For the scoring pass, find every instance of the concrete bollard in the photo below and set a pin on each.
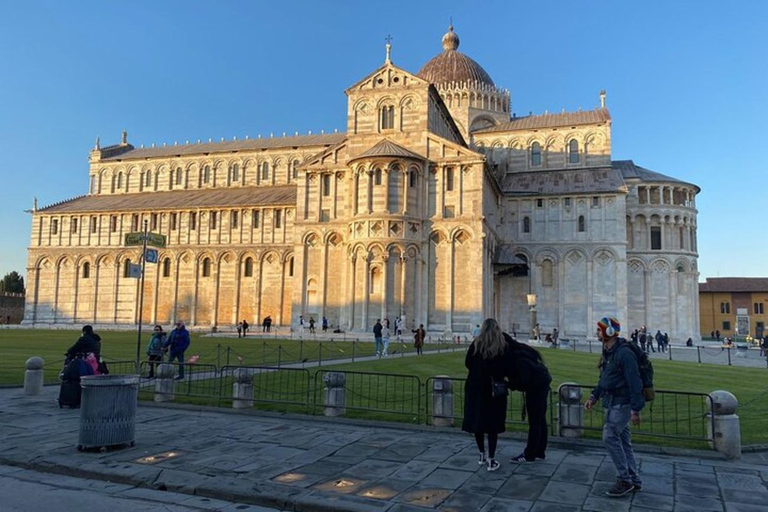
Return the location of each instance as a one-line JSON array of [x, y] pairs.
[[442, 401], [242, 389], [33, 377], [164, 391], [334, 393], [727, 434], [570, 410]]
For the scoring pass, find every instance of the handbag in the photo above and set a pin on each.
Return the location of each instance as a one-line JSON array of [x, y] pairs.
[[499, 389]]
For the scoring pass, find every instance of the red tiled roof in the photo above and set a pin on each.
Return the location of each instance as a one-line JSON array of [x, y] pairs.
[[735, 285]]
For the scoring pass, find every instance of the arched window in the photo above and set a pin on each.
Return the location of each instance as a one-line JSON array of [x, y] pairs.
[[375, 283], [312, 294], [387, 117], [412, 179], [179, 176], [86, 270], [547, 274], [235, 173], [377, 177], [449, 178], [573, 151], [290, 268], [119, 180], [127, 268], [264, 171], [207, 174], [167, 267], [248, 267], [148, 179], [582, 226], [207, 267], [526, 224], [294, 170], [234, 219], [535, 154], [326, 185]]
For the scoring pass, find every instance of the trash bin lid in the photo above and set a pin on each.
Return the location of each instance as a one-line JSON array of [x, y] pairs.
[[109, 380]]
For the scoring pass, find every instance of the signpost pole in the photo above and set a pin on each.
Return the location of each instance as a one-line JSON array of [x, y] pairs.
[[141, 298]]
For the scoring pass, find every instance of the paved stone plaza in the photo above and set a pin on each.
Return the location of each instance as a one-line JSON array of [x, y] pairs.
[[312, 465]]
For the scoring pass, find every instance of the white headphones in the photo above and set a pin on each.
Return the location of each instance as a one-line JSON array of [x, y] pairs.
[[610, 331]]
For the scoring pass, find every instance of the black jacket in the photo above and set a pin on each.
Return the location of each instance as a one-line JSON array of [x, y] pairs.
[[87, 343], [525, 371], [482, 412]]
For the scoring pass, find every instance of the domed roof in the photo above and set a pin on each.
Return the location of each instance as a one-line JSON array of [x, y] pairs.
[[453, 66]]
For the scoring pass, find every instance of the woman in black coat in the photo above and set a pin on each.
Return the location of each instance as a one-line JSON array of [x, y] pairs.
[[528, 373], [484, 413]]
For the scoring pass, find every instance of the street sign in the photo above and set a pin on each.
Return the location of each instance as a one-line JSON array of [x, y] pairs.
[[150, 256], [134, 270], [153, 239]]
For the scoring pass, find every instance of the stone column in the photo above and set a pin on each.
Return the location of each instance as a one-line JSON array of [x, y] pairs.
[[648, 290], [442, 401], [366, 292], [403, 262], [451, 274], [238, 273], [242, 388], [369, 194], [386, 177], [384, 277], [334, 393], [352, 268], [33, 376], [727, 433], [355, 192], [164, 391], [405, 191]]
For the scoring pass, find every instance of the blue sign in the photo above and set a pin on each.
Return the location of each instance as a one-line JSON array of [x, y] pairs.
[[150, 256]]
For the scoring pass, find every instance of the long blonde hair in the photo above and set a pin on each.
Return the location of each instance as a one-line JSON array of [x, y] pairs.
[[490, 342]]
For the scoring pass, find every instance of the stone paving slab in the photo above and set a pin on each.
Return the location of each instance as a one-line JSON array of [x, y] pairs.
[[305, 464]]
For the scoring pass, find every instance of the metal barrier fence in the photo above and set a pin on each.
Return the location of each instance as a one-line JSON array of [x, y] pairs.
[[673, 414], [124, 367], [199, 380], [270, 384], [377, 392]]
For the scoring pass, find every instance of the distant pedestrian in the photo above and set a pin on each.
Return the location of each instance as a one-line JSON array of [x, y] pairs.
[[643, 339], [245, 327], [689, 342], [635, 337], [418, 338], [301, 324], [239, 329], [659, 341], [555, 336], [311, 325], [377, 332], [176, 344], [325, 324], [385, 341], [264, 325], [717, 335], [536, 331], [269, 323], [764, 347], [526, 372], [621, 390], [712, 334], [666, 342], [485, 391], [155, 349], [386, 323]]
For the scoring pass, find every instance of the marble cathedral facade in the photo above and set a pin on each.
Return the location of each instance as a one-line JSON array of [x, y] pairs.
[[437, 205]]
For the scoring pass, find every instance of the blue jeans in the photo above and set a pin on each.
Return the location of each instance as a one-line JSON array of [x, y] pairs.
[[618, 442], [385, 344], [180, 357], [378, 344]]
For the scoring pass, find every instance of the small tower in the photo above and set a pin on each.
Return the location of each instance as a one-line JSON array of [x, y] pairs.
[[602, 98]]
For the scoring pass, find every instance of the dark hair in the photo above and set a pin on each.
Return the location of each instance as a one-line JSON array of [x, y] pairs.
[[515, 345], [87, 329]]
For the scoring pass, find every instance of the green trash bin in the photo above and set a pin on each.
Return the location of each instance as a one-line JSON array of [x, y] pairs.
[[108, 411]]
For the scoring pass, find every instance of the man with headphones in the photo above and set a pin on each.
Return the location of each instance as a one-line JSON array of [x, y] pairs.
[[621, 390]]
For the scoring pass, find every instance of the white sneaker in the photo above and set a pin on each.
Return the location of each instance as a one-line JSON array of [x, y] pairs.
[[482, 459], [493, 465]]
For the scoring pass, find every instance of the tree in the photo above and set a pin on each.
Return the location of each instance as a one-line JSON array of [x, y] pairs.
[[12, 282]]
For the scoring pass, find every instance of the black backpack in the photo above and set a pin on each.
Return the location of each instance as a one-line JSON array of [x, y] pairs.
[[646, 370]]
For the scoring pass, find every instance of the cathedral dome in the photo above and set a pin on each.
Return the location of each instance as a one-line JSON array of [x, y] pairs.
[[453, 66]]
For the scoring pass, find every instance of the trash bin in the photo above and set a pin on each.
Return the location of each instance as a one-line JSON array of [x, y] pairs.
[[108, 411]]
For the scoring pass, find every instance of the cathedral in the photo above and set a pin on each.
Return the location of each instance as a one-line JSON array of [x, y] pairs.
[[439, 206]]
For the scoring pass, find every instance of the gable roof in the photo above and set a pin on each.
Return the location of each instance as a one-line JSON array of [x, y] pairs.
[[386, 147], [386, 65], [735, 285], [325, 139], [630, 171], [179, 200], [532, 122]]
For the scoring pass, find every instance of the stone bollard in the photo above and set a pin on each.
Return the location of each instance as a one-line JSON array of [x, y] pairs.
[[33, 377], [727, 434], [242, 389], [442, 401], [164, 391], [570, 410], [334, 393]]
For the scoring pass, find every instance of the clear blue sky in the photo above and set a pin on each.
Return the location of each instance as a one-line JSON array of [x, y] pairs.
[[687, 86]]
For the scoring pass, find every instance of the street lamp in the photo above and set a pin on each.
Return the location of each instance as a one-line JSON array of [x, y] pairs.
[[532, 313]]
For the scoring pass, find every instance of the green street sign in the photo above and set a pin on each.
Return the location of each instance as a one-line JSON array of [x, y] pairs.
[[153, 239]]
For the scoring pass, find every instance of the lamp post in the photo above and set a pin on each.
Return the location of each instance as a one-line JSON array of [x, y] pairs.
[[532, 313]]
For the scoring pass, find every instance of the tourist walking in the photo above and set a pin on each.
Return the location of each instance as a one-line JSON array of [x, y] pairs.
[[245, 328], [621, 390], [485, 391], [301, 324], [418, 339], [555, 337], [643, 339], [268, 320], [526, 372], [385, 333], [536, 331], [659, 341], [155, 349], [239, 329], [177, 343], [635, 337], [666, 342], [311, 325], [377, 329], [325, 324]]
